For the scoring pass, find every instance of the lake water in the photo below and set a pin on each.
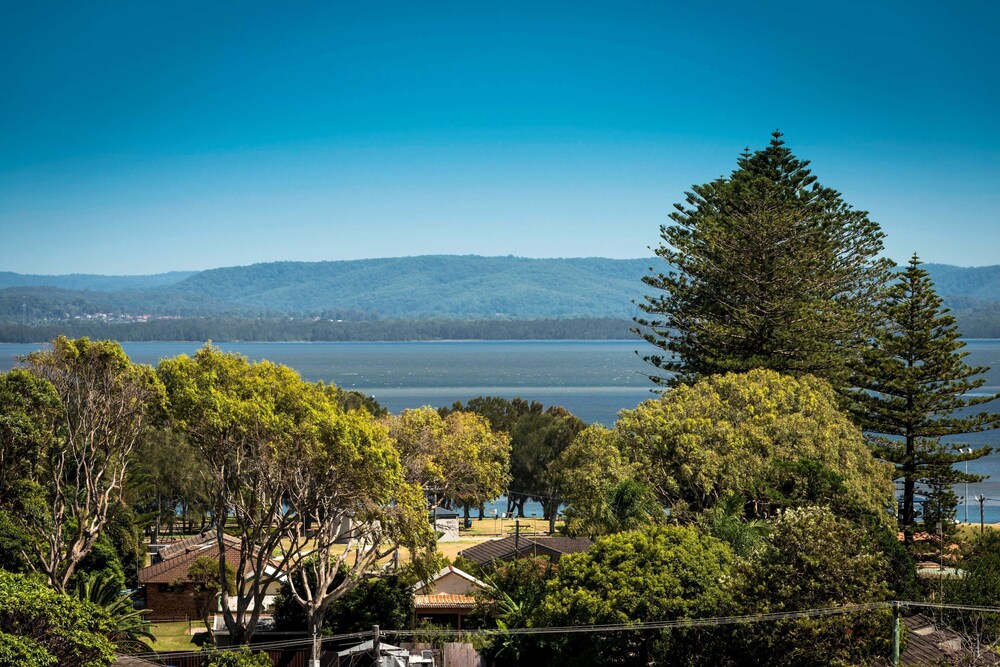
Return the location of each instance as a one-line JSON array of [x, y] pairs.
[[592, 379]]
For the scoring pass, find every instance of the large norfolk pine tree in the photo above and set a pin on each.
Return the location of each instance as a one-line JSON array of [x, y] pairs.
[[913, 389], [767, 269]]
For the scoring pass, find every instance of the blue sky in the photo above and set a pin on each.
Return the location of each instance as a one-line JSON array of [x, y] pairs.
[[147, 137]]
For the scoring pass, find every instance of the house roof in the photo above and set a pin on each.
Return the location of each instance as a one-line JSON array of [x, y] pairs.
[[443, 601], [444, 572], [508, 547], [171, 549], [175, 566]]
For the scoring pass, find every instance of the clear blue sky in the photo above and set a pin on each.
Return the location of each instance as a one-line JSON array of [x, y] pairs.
[[142, 137]]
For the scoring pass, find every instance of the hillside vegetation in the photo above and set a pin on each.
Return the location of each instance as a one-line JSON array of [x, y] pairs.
[[436, 288]]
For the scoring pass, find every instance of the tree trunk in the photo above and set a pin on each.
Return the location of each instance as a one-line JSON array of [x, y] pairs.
[[315, 627], [909, 510]]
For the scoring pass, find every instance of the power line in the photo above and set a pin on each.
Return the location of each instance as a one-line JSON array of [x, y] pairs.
[[602, 628]]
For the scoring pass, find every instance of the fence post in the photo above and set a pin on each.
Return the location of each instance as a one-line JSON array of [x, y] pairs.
[[376, 645], [895, 634]]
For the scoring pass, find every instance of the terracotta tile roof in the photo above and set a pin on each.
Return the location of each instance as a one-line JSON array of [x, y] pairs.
[[443, 601], [176, 566], [504, 549]]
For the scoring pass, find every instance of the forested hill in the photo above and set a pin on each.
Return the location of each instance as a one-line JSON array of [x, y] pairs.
[[427, 288], [454, 287]]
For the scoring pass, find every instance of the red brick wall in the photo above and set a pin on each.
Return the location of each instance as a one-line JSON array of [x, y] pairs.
[[175, 603]]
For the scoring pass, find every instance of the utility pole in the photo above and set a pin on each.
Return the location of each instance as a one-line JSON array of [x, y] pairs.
[[982, 513]]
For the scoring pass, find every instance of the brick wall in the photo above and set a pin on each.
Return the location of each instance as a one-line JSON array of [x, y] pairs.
[[174, 603]]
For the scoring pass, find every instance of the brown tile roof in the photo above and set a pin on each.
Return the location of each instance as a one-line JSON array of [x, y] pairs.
[[564, 545], [176, 566], [443, 601], [504, 549], [171, 549]]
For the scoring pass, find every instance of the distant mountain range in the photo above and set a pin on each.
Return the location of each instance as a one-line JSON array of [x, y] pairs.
[[443, 287]]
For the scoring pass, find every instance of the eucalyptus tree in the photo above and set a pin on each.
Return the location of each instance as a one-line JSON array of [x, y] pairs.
[[347, 485], [913, 387], [457, 457], [232, 412], [107, 404], [766, 268], [290, 473]]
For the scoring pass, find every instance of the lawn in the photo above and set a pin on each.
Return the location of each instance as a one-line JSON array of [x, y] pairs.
[[177, 636]]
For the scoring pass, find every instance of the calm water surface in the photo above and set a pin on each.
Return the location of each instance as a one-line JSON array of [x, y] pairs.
[[592, 379]]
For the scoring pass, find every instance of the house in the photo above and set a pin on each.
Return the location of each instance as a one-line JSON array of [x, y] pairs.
[[447, 598], [516, 546], [169, 593]]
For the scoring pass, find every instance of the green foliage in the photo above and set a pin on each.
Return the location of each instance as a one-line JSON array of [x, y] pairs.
[[979, 586], [913, 386], [458, 457], [23, 652], [587, 473], [734, 434], [242, 657], [814, 559], [661, 573], [70, 632], [537, 437], [29, 411], [383, 601], [108, 403], [128, 625], [727, 521], [767, 269], [15, 545]]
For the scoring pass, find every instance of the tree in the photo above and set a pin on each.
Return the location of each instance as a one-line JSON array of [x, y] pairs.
[[814, 560], [537, 441], [233, 413], [457, 457], [347, 484], [537, 437], [162, 481], [587, 473], [758, 435], [913, 388], [766, 269], [242, 657], [203, 575], [386, 601], [669, 572], [294, 473], [29, 413], [40, 626], [108, 403], [516, 589]]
